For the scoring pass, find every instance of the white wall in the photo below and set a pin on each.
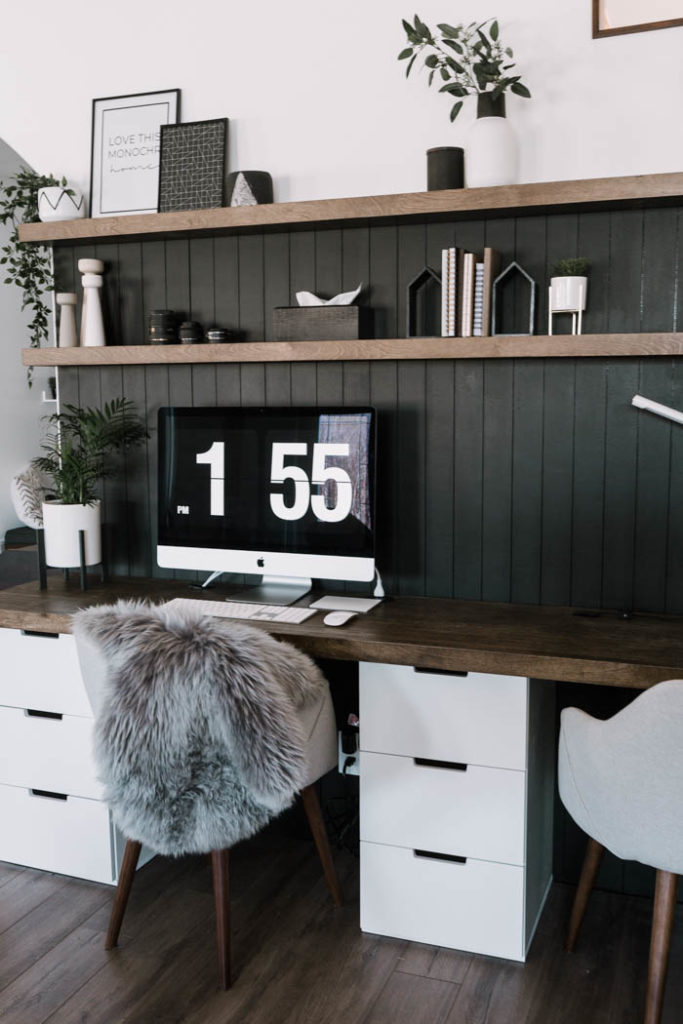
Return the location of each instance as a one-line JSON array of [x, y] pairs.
[[315, 93], [20, 409]]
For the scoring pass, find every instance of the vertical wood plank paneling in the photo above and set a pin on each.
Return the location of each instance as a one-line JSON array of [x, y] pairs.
[[674, 581], [621, 438], [276, 293], [624, 294], [527, 481], [558, 466], [157, 385], [115, 491], [203, 310], [652, 491], [304, 383], [384, 292], [328, 262], [588, 499], [356, 261], [301, 263], [131, 308], [383, 396], [140, 561], [594, 245], [227, 303], [154, 292], [660, 237], [177, 278], [468, 480], [250, 248]]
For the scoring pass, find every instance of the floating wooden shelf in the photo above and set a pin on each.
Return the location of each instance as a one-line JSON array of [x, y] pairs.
[[500, 347], [593, 193]]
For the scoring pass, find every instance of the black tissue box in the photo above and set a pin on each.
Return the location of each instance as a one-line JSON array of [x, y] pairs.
[[322, 323]]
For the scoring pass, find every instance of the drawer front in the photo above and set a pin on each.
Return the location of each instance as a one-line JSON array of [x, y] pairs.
[[42, 672], [476, 718], [48, 753], [478, 812], [71, 837], [477, 906]]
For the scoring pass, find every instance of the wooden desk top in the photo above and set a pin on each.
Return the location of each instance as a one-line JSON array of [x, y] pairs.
[[542, 642]]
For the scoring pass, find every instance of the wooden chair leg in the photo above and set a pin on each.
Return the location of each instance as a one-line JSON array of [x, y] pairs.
[[309, 795], [128, 866], [589, 871], [662, 923], [220, 862]]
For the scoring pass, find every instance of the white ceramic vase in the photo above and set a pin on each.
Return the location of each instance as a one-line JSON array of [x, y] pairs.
[[568, 294], [62, 524], [55, 203], [491, 150]]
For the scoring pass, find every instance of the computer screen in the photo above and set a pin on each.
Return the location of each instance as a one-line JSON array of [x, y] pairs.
[[273, 491]]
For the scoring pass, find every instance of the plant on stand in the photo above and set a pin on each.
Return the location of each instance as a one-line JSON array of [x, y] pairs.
[[28, 266], [471, 60], [568, 290], [78, 453]]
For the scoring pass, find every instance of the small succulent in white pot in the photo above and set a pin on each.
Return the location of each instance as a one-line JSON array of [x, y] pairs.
[[569, 285]]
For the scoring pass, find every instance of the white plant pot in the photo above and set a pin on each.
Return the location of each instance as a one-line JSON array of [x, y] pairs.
[[490, 153], [62, 524], [568, 294], [54, 203]]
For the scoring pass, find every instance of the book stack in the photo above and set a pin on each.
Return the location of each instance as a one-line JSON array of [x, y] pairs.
[[467, 281]]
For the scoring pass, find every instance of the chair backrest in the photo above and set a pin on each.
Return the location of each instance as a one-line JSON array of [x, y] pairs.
[[622, 779], [197, 736]]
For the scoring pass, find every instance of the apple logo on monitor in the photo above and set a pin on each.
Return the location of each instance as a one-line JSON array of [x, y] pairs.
[[261, 562]]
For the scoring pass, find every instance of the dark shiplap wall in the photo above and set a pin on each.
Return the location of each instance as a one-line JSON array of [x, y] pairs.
[[509, 480]]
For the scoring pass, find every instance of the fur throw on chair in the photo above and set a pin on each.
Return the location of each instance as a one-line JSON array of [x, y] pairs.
[[197, 737]]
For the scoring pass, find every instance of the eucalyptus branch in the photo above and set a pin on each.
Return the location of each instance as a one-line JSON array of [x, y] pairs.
[[470, 59]]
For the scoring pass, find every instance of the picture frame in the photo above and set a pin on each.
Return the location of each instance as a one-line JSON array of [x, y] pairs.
[[618, 17], [192, 174], [125, 151]]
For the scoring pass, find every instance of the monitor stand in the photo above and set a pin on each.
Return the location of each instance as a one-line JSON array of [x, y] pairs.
[[282, 590]]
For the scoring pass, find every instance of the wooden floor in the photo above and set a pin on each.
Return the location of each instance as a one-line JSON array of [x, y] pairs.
[[297, 960]]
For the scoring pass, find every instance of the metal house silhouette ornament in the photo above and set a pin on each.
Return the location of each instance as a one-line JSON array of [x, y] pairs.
[[425, 277], [507, 274]]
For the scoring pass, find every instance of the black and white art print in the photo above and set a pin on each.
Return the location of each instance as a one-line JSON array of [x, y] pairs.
[[192, 175], [126, 144]]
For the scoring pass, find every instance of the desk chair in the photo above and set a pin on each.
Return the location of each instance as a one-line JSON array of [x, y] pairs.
[[622, 782], [204, 731]]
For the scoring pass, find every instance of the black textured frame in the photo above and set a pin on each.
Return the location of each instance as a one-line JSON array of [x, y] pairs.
[[176, 136]]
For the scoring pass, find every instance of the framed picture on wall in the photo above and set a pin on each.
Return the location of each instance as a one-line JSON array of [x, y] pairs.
[[193, 165], [616, 17], [126, 143]]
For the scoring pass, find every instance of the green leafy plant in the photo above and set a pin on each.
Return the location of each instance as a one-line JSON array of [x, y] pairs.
[[80, 445], [469, 59], [574, 266], [28, 266]]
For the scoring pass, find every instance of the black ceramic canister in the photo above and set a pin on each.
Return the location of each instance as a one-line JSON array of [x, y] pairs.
[[445, 168]]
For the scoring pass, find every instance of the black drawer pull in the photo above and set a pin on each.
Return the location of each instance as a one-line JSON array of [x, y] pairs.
[[439, 672], [36, 632], [454, 766], [32, 713], [428, 855], [48, 794]]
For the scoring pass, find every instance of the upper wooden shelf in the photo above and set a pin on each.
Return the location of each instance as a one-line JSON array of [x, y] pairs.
[[500, 347], [640, 190]]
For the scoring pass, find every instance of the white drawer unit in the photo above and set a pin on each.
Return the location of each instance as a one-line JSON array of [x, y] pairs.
[[456, 796], [51, 809]]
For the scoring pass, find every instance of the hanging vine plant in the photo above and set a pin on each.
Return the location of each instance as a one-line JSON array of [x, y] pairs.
[[27, 266]]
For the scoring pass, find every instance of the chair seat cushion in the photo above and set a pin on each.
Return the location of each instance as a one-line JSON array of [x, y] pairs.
[[205, 728]]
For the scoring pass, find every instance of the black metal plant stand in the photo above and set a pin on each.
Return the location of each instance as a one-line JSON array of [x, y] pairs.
[[42, 564]]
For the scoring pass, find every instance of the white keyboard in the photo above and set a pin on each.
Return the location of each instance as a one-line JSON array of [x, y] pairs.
[[245, 610]]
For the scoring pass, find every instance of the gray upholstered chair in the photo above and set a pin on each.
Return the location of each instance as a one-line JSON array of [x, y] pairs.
[[622, 782], [204, 730]]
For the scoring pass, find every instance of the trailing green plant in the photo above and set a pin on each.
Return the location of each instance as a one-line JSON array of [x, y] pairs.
[[80, 444], [573, 266], [469, 59], [28, 266]]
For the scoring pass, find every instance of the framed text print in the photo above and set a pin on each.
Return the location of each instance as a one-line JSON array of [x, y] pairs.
[[126, 133], [615, 17]]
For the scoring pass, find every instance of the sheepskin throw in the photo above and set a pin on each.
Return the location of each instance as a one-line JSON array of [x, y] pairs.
[[197, 739]]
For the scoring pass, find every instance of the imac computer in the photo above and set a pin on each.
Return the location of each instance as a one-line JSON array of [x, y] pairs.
[[285, 493]]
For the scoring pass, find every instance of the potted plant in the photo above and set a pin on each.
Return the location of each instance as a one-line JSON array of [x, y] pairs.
[[569, 285], [471, 60], [28, 266], [78, 452]]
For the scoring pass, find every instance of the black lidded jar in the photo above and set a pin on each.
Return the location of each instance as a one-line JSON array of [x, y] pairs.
[[162, 327]]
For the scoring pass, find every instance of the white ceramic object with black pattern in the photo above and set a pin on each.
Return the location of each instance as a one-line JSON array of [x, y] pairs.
[[55, 203]]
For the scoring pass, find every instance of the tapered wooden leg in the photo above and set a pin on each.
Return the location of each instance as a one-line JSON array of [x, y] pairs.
[[128, 866], [220, 861], [662, 923], [591, 864], [309, 795]]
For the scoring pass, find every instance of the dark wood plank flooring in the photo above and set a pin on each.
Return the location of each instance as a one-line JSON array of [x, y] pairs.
[[298, 960]]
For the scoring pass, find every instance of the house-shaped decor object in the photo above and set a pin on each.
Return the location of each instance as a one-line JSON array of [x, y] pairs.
[[506, 279], [427, 281]]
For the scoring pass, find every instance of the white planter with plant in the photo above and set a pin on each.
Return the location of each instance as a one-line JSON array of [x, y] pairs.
[[471, 60], [568, 290], [78, 453]]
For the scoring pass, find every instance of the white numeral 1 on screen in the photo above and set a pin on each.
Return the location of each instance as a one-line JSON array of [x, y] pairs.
[[215, 458]]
